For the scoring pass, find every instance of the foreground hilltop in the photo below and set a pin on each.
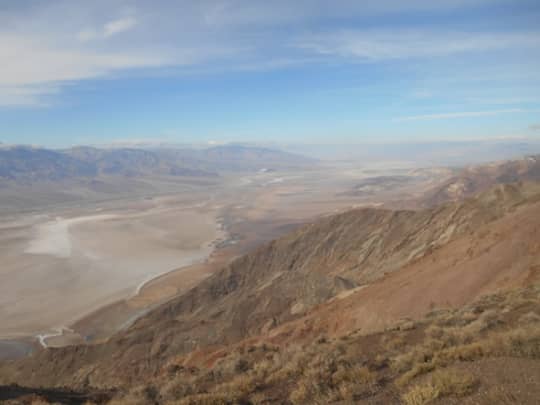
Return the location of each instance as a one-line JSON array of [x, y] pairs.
[[358, 273]]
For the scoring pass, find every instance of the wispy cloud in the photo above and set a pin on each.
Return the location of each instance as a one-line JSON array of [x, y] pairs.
[[31, 67], [43, 49], [376, 45], [534, 127], [14, 96], [504, 100], [108, 30], [29, 61], [462, 114], [118, 26], [253, 12]]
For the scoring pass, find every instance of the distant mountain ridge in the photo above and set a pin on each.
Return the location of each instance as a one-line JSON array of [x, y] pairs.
[[235, 157], [475, 179], [28, 163], [132, 162]]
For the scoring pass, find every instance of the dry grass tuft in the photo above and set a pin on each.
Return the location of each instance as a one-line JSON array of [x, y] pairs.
[[420, 395], [529, 318], [414, 363], [441, 384], [206, 399], [452, 382]]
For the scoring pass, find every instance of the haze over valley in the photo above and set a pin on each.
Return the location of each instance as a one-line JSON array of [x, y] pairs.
[[95, 251]]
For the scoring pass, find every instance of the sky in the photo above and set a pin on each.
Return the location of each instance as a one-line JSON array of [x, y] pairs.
[[336, 71]]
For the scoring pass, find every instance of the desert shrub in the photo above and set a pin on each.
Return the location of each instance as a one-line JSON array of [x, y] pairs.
[[346, 392], [175, 389], [448, 318], [520, 302], [207, 399], [137, 396], [352, 382], [402, 362], [415, 371], [263, 368], [521, 342], [459, 335], [405, 361], [307, 391], [486, 320], [434, 331], [467, 352], [437, 313], [259, 398], [467, 316], [433, 345], [288, 370], [395, 343], [420, 395], [39, 401], [406, 325], [452, 382], [239, 386], [380, 360], [300, 394], [241, 366], [529, 318], [356, 375], [465, 331], [441, 383], [402, 325]]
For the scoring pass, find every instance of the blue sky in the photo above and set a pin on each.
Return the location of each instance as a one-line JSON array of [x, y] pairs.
[[348, 71]]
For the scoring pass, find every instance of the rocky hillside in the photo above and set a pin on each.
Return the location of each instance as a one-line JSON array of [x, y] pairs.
[[486, 352], [475, 179], [360, 270]]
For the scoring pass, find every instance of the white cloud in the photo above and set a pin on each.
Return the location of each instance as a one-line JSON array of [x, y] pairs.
[[462, 114], [503, 100], [108, 30], [379, 45], [42, 47], [32, 68], [276, 12], [30, 61], [13, 96], [118, 26]]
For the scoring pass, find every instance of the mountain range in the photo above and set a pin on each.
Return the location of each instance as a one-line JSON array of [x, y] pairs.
[[31, 164]]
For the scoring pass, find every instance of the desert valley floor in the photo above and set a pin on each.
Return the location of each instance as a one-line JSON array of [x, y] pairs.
[[115, 259]]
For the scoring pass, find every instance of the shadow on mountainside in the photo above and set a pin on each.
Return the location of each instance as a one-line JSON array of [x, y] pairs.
[[17, 394]]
